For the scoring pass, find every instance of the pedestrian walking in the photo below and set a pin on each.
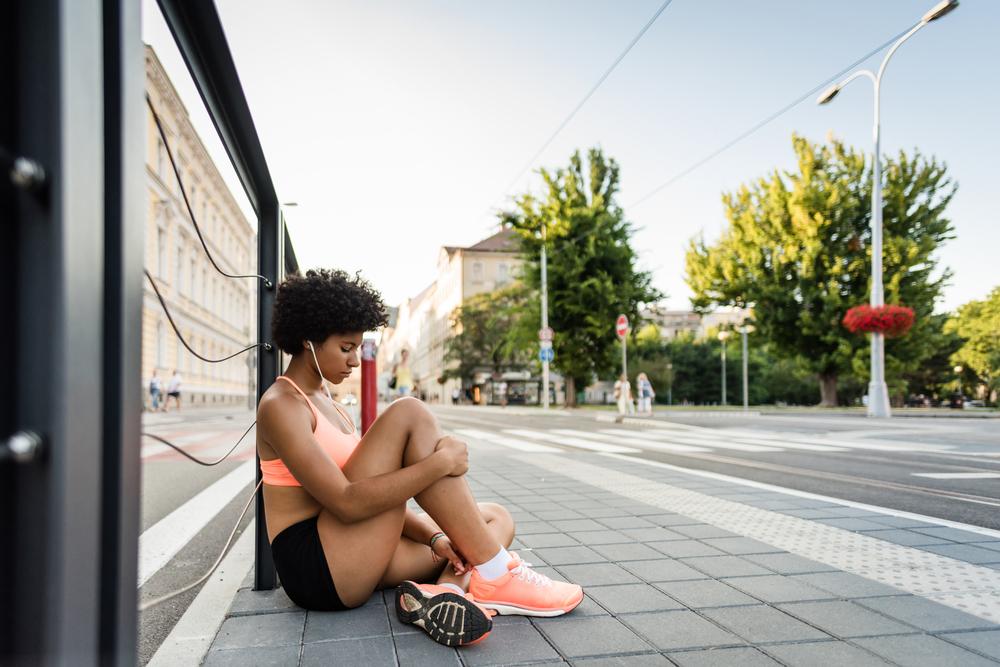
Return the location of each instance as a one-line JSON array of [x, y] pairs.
[[455, 395], [155, 390], [173, 391], [646, 394], [402, 376], [623, 396]]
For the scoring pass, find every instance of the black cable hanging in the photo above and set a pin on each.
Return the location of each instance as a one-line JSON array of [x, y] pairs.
[[225, 549], [187, 203], [200, 462], [267, 346]]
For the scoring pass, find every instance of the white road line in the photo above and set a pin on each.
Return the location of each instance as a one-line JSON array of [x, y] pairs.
[[721, 444], [790, 439], [988, 532], [728, 435], [162, 541], [603, 447], [958, 475], [624, 436], [498, 439], [191, 638]]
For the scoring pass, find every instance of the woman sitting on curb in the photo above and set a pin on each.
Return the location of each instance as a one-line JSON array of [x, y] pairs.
[[335, 503]]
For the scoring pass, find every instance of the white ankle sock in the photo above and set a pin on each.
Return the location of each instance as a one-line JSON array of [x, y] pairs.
[[454, 587], [496, 566]]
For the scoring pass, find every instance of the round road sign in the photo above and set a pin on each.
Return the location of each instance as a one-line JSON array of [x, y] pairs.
[[621, 326]]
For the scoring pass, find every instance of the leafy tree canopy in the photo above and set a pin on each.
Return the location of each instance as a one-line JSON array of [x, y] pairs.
[[592, 273], [978, 324], [797, 249], [486, 326]]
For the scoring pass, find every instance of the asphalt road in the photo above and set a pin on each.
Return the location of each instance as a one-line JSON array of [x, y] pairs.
[[875, 462], [168, 482]]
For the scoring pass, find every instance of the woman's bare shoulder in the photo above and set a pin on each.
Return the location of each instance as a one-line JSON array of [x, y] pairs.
[[279, 404]]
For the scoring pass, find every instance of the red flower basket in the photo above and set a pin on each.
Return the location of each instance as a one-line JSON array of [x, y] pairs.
[[892, 321]]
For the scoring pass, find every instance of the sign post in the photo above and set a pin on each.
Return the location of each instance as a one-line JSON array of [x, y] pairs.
[[545, 334], [369, 389], [621, 329], [545, 355]]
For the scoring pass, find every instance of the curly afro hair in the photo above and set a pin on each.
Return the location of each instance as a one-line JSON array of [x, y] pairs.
[[321, 303]]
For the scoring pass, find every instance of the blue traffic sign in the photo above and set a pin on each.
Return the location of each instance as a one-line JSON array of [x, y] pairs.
[[546, 354]]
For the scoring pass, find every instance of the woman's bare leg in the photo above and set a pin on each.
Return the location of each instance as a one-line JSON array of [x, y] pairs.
[[359, 553], [414, 561]]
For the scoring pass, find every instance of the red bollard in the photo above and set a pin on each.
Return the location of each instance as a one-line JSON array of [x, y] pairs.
[[369, 385]]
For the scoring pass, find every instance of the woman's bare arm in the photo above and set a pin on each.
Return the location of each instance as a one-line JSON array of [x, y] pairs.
[[284, 422]]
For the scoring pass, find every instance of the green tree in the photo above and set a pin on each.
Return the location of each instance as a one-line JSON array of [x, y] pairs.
[[485, 338], [978, 324], [798, 250], [592, 274]]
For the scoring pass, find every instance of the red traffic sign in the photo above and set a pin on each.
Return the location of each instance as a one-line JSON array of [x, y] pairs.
[[621, 326], [545, 333]]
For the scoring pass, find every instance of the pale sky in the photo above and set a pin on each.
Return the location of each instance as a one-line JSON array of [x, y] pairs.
[[396, 125]]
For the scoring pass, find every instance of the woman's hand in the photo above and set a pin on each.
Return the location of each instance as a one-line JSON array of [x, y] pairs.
[[457, 454], [443, 548]]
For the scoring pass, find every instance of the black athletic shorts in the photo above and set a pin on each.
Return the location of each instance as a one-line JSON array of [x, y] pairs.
[[301, 565]]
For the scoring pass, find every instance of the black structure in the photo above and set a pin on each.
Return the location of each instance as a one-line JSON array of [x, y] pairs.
[[71, 193], [72, 203]]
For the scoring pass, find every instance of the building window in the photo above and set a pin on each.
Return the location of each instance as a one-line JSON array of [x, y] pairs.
[[477, 272], [179, 273], [161, 256], [502, 274], [192, 290], [161, 159], [161, 346], [177, 353]]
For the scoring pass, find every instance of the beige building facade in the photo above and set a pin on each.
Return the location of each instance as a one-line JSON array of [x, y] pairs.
[[215, 314], [674, 323], [422, 323]]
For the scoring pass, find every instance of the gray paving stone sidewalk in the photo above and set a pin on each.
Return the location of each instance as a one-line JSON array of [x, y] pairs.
[[662, 589]]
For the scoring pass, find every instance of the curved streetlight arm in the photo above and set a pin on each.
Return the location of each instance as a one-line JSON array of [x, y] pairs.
[[899, 42]]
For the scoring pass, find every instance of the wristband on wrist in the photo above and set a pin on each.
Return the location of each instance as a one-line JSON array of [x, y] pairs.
[[435, 537]]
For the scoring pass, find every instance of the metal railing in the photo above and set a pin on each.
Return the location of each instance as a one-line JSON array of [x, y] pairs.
[[71, 192]]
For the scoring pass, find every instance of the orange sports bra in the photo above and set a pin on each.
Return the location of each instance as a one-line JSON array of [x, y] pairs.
[[337, 444]]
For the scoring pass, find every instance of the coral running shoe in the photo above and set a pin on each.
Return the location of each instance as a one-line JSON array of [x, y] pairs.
[[525, 592], [449, 618]]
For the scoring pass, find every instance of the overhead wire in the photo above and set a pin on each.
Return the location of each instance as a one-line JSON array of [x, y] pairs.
[[743, 135], [590, 93]]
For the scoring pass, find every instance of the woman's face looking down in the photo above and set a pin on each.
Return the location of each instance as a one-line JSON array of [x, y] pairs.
[[338, 356]]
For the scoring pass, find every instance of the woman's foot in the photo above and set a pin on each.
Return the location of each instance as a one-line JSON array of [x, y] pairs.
[[525, 592], [449, 618]]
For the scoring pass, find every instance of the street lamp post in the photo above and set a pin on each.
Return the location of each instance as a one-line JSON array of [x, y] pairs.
[[744, 330], [878, 392], [723, 335], [545, 320], [670, 383]]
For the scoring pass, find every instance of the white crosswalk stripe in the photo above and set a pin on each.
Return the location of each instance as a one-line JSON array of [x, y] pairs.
[[685, 439], [729, 436], [625, 436], [569, 441], [513, 443]]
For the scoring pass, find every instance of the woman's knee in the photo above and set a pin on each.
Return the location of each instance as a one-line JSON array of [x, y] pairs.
[[411, 412], [499, 515]]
